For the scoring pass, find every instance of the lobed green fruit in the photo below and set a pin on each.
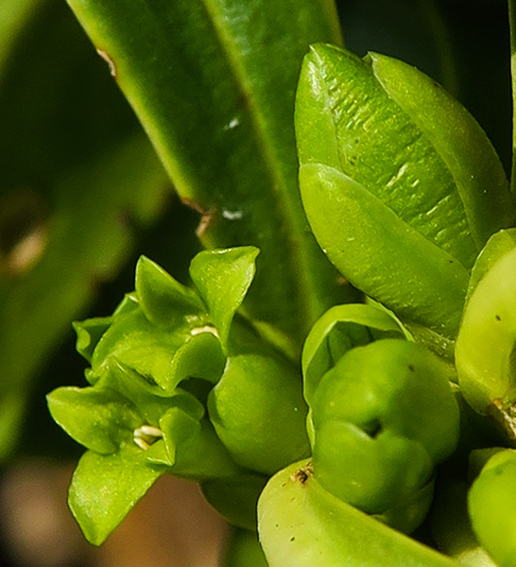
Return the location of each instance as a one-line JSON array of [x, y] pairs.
[[384, 416]]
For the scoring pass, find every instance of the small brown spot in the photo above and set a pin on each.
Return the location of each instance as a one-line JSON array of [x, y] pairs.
[[109, 61], [303, 474], [411, 368], [23, 231], [498, 318]]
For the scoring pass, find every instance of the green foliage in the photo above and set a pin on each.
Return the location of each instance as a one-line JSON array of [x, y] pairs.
[[325, 365]]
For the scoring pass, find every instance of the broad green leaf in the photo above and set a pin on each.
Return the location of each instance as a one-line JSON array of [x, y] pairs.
[[100, 419], [383, 253], [400, 185], [393, 130], [106, 487], [223, 278], [142, 346], [78, 177], [478, 175], [213, 83]]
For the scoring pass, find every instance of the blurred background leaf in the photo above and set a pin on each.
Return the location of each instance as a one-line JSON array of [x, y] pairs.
[[78, 176]]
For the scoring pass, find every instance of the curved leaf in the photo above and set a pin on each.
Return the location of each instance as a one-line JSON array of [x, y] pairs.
[[213, 83]]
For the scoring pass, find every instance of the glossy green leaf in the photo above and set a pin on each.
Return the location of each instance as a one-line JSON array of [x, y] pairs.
[[213, 83], [491, 504], [391, 271], [484, 353], [89, 333], [478, 175], [223, 278], [301, 525], [100, 419], [201, 356], [150, 400], [146, 348], [410, 154], [498, 245], [106, 487]]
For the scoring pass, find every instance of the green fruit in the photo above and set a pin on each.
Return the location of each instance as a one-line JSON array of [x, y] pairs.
[[258, 411], [383, 417]]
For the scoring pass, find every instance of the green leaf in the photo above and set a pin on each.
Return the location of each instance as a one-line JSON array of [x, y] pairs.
[[142, 346], [478, 174], [377, 136], [213, 83], [354, 324], [383, 253], [105, 488], [100, 419], [194, 448], [223, 278], [162, 298], [89, 333], [200, 356], [150, 400]]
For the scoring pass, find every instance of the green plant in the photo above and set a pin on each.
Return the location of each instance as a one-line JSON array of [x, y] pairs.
[[321, 369]]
